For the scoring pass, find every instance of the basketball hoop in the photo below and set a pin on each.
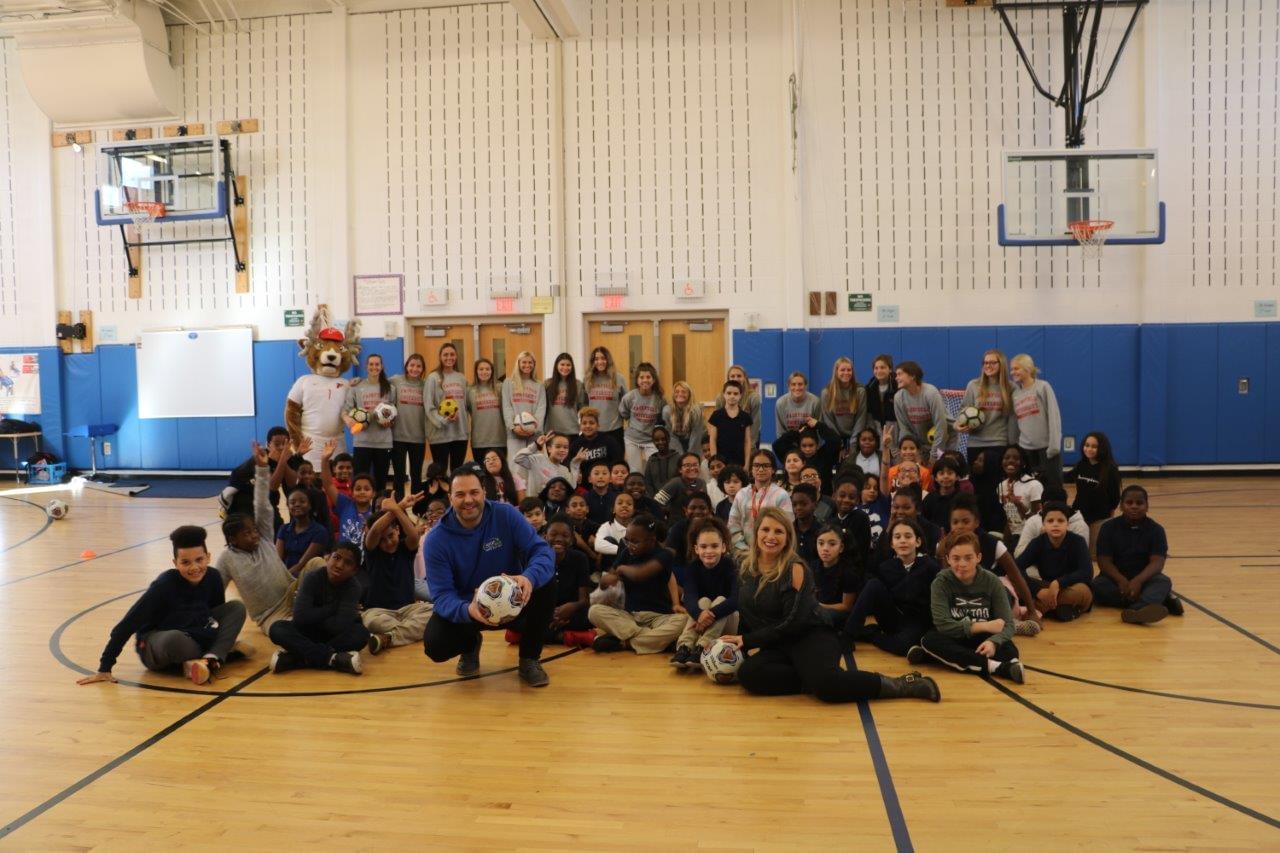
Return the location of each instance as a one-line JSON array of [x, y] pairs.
[[1091, 234], [144, 212]]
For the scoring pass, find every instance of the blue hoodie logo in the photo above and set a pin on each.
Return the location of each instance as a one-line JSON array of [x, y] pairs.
[[493, 544]]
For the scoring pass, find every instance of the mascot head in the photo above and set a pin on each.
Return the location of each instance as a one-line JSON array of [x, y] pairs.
[[329, 351]]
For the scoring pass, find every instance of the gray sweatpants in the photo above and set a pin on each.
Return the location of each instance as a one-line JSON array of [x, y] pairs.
[[161, 650]]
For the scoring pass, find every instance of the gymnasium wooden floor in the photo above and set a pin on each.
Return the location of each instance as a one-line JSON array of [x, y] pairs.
[[1160, 737]]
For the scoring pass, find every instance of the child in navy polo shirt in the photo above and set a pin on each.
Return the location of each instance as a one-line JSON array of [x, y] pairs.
[[1132, 550]]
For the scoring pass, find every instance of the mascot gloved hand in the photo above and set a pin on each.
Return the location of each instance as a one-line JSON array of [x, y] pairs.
[[314, 405]]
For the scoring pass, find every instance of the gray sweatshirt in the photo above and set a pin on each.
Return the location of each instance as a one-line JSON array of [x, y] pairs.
[[411, 422], [367, 395], [917, 413], [484, 408], [540, 470], [1039, 421], [642, 413], [956, 606], [605, 396], [454, 387], [530, 397], [790, 415], [562, 417], [845, 423], [998, 428], [691, 443], [260, 576]]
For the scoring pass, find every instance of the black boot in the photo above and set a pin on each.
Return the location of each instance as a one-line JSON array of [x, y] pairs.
[[913, 685]]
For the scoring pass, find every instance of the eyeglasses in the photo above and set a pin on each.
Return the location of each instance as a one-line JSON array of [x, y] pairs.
[[761, 464], [993, 363]]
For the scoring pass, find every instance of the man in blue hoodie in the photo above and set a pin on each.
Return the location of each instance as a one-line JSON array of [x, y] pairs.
[[476, 540]]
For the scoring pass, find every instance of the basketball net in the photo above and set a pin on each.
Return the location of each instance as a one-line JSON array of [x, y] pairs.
[[1091, 234], [144, 212]]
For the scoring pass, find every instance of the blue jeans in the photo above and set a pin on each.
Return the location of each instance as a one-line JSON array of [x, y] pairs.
[[1155, 591]]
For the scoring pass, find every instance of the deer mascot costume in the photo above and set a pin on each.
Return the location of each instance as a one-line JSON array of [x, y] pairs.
[[314, 406]]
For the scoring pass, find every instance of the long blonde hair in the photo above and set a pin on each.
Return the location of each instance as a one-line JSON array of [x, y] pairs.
[[681, 416], [1002, 379], [518, 380], [751, 566], [747, 390], [1027, 364], [836, 392]]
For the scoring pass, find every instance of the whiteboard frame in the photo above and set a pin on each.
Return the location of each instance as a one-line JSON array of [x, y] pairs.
[[245, 407]]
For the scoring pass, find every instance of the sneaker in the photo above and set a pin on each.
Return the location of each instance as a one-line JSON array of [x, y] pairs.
[[197, 670], [283, 661], [917, 655], [240, 651], [512, 637], [1144, 615], [377, 643], [1012, 670], [1174, 605], [532, 673], [580, 639], [694, 662], [1065, 612], [1026, 627], [469, 662], [347, 662], [681, 657], [607, 643]]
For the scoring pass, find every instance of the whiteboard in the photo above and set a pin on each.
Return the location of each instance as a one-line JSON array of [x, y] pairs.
[[195, 373]]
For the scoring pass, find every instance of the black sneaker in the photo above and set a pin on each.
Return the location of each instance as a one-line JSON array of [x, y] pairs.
[[607, 643], [283, 661], [378, 642], [1012, 670], [469, 662], [681, 658], [1144, 615], [1174, 605], [917, 655], [348, 662], [532, 673], [1065, 612]]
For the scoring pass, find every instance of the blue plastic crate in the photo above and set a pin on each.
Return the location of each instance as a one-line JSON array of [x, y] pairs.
[[45, 473]]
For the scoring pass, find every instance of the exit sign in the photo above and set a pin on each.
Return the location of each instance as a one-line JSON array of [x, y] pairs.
[[859, 301], [612, 303], [504, 305]]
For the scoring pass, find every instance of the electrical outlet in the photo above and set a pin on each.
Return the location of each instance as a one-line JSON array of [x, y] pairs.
[[106, 448], [1069, 443], [770, 389], [1242, 385]]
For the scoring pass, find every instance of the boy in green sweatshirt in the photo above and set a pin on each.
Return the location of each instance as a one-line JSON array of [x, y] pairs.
[[972, 619]]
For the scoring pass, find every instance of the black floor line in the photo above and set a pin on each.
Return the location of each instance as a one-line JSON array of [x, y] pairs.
[[38, 508], [1133, 759], [1218, 557], [884, 778], [84, 782], [84, 560], [1233, 626], [1237, 704], [1260, 565]]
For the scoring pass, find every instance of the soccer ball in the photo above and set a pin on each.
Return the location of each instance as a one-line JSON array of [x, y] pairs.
[[448, 407], [385, 413], [526, 420], [56, 509], [499, 600], [720, 661], [970, 417], [360, 416]]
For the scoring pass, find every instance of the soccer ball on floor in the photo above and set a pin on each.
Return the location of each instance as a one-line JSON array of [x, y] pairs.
[[385, 413], [56, 509], [721, 660], [499, 599], [448, 407], [970, 417]]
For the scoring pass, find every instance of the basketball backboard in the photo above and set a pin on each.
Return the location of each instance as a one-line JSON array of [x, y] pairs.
[[186, 174], [1046, 190]]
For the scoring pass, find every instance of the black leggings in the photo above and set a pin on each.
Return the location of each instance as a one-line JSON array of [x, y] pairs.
[[960, 654], [443, 639], [896, 631], [416, 451], [314, 645], [809, 664], [449, 453], [373, 461], [991, 514]]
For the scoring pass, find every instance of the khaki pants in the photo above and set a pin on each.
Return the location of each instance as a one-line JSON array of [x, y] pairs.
[[284, 610], [645, 631], [402, 626], [728, 625], [1077, 595]]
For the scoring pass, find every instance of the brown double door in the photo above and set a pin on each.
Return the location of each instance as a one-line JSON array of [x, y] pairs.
[[501, 343], [683, 349]]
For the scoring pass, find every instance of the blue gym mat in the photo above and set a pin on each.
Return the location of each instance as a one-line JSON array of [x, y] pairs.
[[177, 487]]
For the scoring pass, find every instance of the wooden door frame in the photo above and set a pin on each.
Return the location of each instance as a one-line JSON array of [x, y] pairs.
[[475, 321], [656, 319]]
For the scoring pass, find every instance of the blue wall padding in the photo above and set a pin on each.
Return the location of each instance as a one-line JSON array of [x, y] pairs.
[[869, 343], [1112, 392], [1153, 431], [1241, 417], [760, 354], [82, 402], [825, 346], [1271, 365], [1191, 416], [51, 417]]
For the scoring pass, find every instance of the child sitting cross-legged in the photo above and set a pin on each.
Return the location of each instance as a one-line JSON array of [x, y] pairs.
[[1132, 549], [710, 592], [325, 631], [569, 625], [652, 617], [1062, 559]]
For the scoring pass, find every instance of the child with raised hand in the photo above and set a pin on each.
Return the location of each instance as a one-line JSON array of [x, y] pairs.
[[837, 574], [642, 409], [1097, 483], [663, 464], [1132, 549], [710, 592], [729, 427], [1020, 493], [896, 593], [973, 624], [569, 625], [352, 511], [600, 494], [1062, 559], [591, 445], [611, 533], [392, 612], [544, 460], [652, 617], [300, 540]]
